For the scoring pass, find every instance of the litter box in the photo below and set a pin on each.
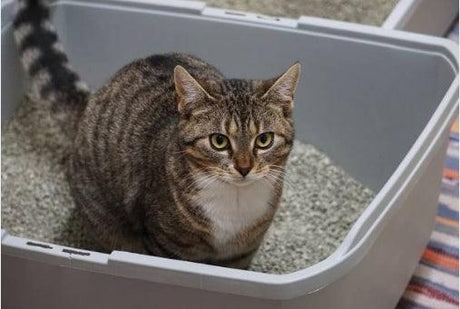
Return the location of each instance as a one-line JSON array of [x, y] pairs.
[[378, 102]]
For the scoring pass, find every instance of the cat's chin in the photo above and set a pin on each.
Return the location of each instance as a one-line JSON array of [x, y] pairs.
[[243, 182]]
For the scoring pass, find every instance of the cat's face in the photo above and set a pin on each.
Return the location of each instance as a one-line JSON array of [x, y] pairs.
[[237, 131]]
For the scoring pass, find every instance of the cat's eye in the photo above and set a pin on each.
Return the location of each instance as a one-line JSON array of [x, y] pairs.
[[265, 140], [219, 141]]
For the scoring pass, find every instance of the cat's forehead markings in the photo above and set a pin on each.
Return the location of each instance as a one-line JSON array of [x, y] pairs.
[[233, 127], [276, 108], [260, 125], [223, 127], [252, 126], [201, 111]]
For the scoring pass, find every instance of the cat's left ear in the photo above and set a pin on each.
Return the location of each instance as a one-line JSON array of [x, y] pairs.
[[283, 88], [188, 89]]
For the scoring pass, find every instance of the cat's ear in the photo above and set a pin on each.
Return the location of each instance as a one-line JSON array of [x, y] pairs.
[[282, 89], [188, 89]]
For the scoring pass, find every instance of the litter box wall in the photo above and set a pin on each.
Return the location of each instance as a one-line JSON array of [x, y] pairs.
[[423, 16], [377, 102]]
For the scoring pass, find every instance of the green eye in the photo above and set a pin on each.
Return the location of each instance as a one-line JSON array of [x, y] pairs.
[[265, 140], [219, 141]]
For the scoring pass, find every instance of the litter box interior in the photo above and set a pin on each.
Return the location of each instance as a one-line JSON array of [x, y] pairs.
[[362, 104]]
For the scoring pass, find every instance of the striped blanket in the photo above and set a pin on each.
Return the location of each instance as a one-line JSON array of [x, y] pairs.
[[435, 281]]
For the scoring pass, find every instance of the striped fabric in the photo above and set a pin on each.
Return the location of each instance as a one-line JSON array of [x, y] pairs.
[[435, 281]]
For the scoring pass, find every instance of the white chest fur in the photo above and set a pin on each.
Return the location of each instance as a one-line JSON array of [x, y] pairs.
[[232, 208]]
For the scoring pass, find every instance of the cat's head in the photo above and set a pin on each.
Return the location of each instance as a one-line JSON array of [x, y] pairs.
[[236, 131]]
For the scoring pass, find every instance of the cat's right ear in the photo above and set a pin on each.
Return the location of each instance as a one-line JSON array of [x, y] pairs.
[[188, 90]]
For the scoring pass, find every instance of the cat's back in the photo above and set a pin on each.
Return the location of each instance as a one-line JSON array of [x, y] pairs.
[[164, 64], [149, 78]]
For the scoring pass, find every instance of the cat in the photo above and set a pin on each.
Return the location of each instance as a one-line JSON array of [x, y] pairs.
[[169, 157]]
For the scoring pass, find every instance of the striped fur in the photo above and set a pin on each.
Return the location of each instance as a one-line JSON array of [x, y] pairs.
[[142, 169], [146, 178], [52, 78]]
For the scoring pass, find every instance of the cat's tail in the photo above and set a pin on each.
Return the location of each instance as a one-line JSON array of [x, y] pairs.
[[42, 56]]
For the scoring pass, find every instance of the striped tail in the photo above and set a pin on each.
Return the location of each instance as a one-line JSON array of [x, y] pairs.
[[52, 78]]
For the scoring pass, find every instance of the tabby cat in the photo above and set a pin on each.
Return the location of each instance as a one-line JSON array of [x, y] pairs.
[[169, 157]]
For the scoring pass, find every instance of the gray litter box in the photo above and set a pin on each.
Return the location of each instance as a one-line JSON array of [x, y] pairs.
[[423, 16], [378, 102]]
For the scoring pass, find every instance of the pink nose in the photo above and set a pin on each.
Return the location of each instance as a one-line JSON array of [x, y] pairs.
[[243, 164], [243, 170]]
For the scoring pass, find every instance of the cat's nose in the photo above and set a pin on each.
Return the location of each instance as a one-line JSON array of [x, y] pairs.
[[243, 164], [243, 170]]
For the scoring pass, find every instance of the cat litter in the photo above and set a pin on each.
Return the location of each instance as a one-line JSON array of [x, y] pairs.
[[319, 204]]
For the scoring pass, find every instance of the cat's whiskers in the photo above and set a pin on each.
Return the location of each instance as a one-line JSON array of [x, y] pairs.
[[203, 184], [195, 182], [271, 182], [216, 169], [192, 178], [282, 171], [208, 181], [272, 178], [268, 181], [279, 178]]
